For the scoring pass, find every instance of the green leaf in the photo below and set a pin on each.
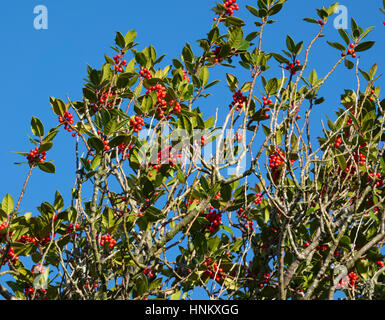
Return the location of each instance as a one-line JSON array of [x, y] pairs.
[[336, 45], [59, 202], [7, 204], [236, 37], [204, 75], [211, 84], [235, 21], [226, 192], [266, 130], [311, 20], [298, 48], [266, 215], [275, 9], [364, 46], [344, 36], [50, 135], [58, 106], [253, 11], [209, 122], [313, 78], [175, 295], [280, 58], [204, 184], [119, 40], [213, 244], [364, 74], [341, 160], [45, 146], [95, 162], [366, 32], [47, 167], [232, 82], [187, 53], [271, 86], [180, 176], [37, 127], [290, 44], [96, 143], [110, 127], [130, 36], [373, 71], [349, 64]]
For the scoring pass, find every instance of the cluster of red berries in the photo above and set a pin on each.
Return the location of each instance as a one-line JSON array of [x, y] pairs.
[[92, 286], [246, 224], [203, 141], [144, 206], [145, 73], [185, 76], [215, 219], [137, 123], [338, 142], [213, 271], [2, 227], [147, 272], [122, 150], [71, 228], [36, 157], [216, 53], [160, 93], [107, 95], [378, 177], [276, 159], [349, 121], [291, 67], [238, 100], [350, 51], [27, 239], [266, 101], [231, 6], [360, 158], [353, 279], [38, 267], [218, 196], [372, 97], [380, 264], [105, 142], [177, 107], [43, 241], [68, 120], [119, 63], [39, 294], [107, 239], [166, 156], [258, 198], [10, 257], [322, 247], [35, 240], [241, 213], [161, 103], [266, 278]]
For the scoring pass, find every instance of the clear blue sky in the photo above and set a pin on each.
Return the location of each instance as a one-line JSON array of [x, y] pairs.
[[37, 64]]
